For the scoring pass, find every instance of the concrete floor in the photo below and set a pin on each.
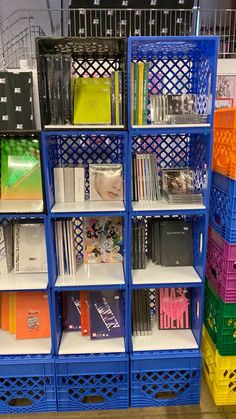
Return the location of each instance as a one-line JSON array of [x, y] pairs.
[[206, 410]]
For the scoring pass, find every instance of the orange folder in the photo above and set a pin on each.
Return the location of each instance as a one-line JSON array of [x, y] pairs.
[[32, 315]]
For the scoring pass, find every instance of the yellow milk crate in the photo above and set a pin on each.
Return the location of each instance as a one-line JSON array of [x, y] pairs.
[[219, 372]]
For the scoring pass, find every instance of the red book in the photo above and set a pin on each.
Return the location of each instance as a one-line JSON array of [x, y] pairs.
[[32, 315], [85, 314]]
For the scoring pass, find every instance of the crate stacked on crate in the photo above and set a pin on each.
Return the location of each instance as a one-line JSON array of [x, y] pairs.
[[219, 338], [86, 181], [27, 376], [173, 140]]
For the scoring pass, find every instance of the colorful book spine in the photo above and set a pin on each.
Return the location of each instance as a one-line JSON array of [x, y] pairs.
[[117, 96], [135, 94], [113, 99], [85, 313], [5, 310], [145, 92], [140, 92], [12, 312], [120, 98], [132, 92]]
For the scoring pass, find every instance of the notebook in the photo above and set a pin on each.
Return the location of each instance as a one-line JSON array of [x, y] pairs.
[[92, 102], [32, 315]]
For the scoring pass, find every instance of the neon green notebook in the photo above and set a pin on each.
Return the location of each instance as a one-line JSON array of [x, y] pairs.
[[92, 101], [20, 169]]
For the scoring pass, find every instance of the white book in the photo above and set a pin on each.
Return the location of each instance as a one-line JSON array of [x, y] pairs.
[[73, 250], [150, 177], [6, 248], [79, 184], [30, 248], [60, 247], [59, 184], [69, 184], [69, 246]]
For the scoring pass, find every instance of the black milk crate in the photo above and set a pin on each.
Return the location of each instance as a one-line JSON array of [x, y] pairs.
[[91, 57]]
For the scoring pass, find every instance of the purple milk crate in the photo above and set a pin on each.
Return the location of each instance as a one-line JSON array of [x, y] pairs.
[[221, 266]]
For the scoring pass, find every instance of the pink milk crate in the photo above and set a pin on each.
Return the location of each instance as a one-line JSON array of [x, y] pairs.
[[221, 266]]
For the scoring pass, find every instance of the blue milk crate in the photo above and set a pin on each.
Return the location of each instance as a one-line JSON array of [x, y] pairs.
[[92, 382], [82, 147], [165, 378], [222, 215], [27, 385], [178, 65], [174, 148]]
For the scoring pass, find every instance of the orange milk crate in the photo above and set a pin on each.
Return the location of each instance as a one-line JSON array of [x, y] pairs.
[[224, 142]]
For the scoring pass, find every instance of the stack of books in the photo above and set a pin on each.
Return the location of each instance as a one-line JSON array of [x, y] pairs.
[[146, 185], [139, 78], [98, 314], [178, 186], [171, 307], [175, 109], [65, 245], [165, 242]]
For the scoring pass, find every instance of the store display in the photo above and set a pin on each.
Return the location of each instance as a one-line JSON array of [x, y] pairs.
[[102, 239], [16, 98], [20, 169], [106, 182], [139, 86], [29, 248]]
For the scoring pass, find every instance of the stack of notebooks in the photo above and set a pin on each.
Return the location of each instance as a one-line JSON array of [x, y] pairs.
[[146, 185], [162, 241], [65, 245], [16, 98], [175, 109], [178, 187], [22, 248], [79, 100], [25, 314], [139, 92], [20, 169], [171, 306], [98, 314]]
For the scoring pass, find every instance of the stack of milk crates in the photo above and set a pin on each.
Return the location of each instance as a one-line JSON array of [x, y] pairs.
[[219, 333]]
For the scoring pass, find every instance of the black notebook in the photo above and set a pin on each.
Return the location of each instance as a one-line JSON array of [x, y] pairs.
[[176, 243]]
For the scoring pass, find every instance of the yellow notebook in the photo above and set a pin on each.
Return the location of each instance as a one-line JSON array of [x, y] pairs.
[[140, 92], [12, 312], [92, 101]]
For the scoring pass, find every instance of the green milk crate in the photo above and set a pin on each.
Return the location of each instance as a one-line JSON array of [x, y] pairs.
[[220, 321]]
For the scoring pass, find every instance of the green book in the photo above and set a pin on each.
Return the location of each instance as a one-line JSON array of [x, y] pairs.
[[92, 100], [20, 169], [145, 92], [135, 99]]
